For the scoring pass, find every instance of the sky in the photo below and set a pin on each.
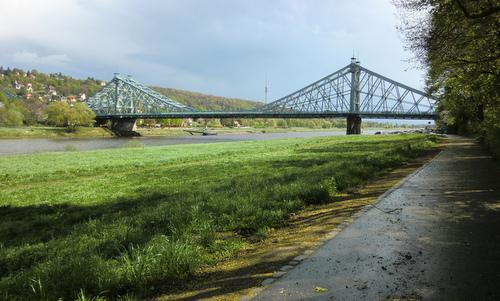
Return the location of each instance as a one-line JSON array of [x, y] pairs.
[[226, 48]]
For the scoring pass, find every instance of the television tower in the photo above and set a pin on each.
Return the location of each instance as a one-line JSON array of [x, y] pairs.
[[265, 91]]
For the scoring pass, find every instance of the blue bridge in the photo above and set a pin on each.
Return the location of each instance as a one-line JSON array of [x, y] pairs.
[[352, 92]]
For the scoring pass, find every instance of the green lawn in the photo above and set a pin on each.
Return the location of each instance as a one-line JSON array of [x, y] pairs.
[[115, 222], [51, 132]]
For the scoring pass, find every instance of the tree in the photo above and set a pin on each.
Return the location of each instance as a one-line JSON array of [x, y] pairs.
[[61, 114], [79, 115], [57, 112], [11, 112], [35, 111], [457, 40]]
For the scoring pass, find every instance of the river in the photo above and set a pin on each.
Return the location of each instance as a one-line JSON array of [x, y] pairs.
[[35, 145]]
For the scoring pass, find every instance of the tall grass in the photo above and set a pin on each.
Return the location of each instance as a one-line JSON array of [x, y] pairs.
[[110, 223]]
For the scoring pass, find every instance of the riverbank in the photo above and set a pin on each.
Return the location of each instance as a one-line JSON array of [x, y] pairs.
[[143, 221], [172, 132], [52, 132], [98, 132], [41, 145]]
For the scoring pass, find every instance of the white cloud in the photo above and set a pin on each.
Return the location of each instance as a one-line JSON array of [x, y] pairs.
[[221, 47], [29, 57]]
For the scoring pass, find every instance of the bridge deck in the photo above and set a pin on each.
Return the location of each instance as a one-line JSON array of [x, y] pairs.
[[249, 114]]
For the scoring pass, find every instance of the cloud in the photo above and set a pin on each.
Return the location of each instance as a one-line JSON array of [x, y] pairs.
[[29, 57], [223, 47]]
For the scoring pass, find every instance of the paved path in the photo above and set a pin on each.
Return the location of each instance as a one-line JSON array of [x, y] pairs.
[[443, 245]]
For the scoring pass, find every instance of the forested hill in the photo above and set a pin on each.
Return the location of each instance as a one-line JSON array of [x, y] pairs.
[[207, 102], [35, 86]]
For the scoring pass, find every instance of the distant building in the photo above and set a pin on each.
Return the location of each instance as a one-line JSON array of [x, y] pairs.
[[102, 83], [52, 91], [17, 85], [70, 98], [187, 122], [82, 97]]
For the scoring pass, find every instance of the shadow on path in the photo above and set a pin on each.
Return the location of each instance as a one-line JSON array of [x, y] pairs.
[[443, 245]]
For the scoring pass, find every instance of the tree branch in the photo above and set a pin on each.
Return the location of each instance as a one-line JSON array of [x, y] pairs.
[[482, 14]]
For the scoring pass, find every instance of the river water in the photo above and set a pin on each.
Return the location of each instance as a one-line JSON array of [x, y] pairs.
[[34, 145]]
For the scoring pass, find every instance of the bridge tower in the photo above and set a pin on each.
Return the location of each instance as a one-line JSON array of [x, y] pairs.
[[354, 118]]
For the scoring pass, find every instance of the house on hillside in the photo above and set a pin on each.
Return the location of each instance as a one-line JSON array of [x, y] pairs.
[[82, 97], [71, 98], [17, 85], [30, 75], [51, 90]]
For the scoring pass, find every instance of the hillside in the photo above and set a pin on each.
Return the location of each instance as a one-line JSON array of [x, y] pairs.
[[43, 87], [208, 102], [31, 84]]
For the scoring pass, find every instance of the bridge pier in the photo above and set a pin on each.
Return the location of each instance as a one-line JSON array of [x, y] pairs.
[[353, 125], [124, 127]]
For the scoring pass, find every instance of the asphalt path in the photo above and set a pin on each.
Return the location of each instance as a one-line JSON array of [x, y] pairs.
[[443, 243]]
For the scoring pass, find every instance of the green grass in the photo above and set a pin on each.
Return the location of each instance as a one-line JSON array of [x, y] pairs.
[[109, 223], [51, 132]]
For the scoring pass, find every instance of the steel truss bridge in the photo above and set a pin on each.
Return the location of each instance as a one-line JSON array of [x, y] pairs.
[[353, 92]]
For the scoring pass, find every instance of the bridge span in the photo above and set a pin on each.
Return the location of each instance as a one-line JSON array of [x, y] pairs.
[[352, 92]]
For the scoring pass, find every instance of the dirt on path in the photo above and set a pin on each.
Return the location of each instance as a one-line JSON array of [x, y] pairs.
[[442, 242]]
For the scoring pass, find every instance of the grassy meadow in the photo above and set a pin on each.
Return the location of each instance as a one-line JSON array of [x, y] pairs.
[[52, 132], [112, 224]]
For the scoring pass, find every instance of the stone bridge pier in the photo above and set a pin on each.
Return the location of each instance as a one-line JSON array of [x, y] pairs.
[[353, 125], [124, 125]]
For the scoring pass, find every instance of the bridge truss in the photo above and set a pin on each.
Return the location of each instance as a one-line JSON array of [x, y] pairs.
[[357, 90], [350, 91], [125, 96]]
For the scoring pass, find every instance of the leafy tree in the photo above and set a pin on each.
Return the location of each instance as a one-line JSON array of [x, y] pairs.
[[458, 41], [79, 115], [61, 114], [35, 111], [171, 122], [11, 112], [57, 113]]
